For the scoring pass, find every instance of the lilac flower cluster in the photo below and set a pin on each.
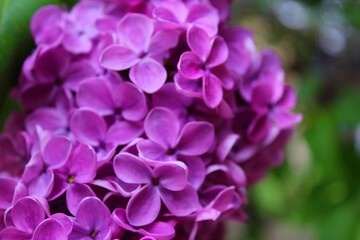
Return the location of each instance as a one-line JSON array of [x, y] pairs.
[[141, 120]]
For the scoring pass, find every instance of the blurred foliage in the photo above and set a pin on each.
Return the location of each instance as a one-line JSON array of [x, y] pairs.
[[315, 194], [15, 39]]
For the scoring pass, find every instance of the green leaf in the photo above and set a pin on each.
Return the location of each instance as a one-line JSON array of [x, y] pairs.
[[15, 39]]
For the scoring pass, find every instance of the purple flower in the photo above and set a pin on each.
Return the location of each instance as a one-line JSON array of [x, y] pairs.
[[179, 15], [124, 101], [243, 55], [51, 72], [79, 168], [167, 182], [39, 172], [156, 230], [80, 26], [273, 105], [141, 120], [206, 54], [140, 49], [193, 139], [47, 25], [28, 216], [92, 220], [90, 128]]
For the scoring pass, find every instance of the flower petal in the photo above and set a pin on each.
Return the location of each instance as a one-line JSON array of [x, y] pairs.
[[50, 229], [48, 118], [97, 208], [82, 164], [219, 53], [42, 185], [162, 126], [259, 128], [188, 87], [180, 203], [144, 207], [212, 90], [63, 220], [196, 138], [163, 40], [27, 214], [288, 99], [131, 101], [57, 151], [96, 95], [14, 234], [199, 42], [197, 171], [190, 65], [118, 58], [172, 176], [88, 127], [75, 194], [7, 189], [158, 230], [123, 132], [151, 150], [135, 31], [148, 74], [131, 169], [205, 16]]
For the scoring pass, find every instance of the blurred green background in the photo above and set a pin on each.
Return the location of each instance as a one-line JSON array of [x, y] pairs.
[[315, 194]]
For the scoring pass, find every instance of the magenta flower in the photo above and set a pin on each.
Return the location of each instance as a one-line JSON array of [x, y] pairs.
[[39, 172], [47, 25], [124, 100], [206, 54], [180, 15], [166, 183], [273, 108], [50, 73], [86, 226], [193, 139], [155, 230], [141, 120], [79, 168], [140, 49], [89, 128], [28, 216]]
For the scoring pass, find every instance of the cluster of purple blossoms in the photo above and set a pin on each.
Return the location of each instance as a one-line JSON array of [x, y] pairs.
[[141, 120]]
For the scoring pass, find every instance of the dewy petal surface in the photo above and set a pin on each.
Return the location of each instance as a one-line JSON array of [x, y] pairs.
[[144, 207]]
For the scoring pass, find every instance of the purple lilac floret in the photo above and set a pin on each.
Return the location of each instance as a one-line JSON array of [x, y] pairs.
[[141, 120]]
